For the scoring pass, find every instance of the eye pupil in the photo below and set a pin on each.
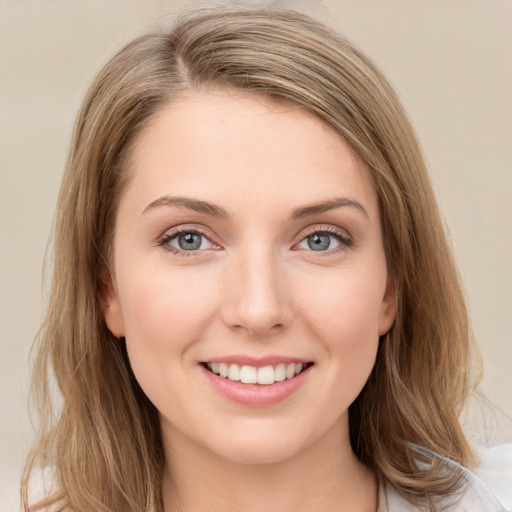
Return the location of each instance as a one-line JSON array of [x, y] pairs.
[[319, 242], [189, 241]]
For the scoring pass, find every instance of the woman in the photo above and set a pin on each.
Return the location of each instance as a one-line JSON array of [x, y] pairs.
[[253, 293]]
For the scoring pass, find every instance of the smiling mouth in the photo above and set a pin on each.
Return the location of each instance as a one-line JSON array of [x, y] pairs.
[[264, 375]]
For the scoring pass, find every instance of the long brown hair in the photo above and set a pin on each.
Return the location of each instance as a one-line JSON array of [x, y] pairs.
[[101, 436]]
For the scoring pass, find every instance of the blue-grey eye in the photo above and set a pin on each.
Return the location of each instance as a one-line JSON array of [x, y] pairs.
[[189, 241], [320, 241]]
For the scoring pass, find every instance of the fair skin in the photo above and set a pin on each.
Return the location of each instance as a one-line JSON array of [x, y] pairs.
[[219, 259]]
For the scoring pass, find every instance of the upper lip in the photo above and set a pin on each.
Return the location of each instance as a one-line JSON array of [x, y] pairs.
[[257, 361]]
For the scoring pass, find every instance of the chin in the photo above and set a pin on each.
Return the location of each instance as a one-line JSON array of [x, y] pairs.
[[261, 447], [260, 454]]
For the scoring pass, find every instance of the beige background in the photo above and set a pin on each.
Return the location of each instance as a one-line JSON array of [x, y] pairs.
[[450, 60]]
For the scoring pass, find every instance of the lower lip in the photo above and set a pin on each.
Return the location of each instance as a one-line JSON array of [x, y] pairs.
[[256, 395]]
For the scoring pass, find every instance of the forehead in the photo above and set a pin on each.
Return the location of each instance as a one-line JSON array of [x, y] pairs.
[[243, 149]]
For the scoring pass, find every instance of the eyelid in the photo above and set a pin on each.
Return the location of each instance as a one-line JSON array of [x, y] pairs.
[[171, 233], [345, 238]]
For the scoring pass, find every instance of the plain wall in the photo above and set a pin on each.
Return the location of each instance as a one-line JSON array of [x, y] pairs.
[[450, 62]]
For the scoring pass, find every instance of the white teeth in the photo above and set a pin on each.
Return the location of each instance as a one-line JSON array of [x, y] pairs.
[[266, 375], [223, 369], [280, 373], [251, 375], [234, 372]]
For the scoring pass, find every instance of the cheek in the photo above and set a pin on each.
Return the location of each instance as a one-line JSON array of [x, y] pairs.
[[342, 312], [346, 304], [165, 312]]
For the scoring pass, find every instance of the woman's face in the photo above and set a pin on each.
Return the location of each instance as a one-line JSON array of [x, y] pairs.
[[248, 241]]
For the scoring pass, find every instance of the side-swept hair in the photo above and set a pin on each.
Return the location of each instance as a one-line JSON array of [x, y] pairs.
[[103, 439]]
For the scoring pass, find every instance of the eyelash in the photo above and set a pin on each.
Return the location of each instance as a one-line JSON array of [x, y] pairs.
[[346, 242], [168, 236]]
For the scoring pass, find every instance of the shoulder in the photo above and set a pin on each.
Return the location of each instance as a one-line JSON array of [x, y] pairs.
[[474, 496]]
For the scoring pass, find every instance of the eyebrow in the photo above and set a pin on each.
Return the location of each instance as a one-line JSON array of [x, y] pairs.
[[217, 211], [325, 206], [190, 203]]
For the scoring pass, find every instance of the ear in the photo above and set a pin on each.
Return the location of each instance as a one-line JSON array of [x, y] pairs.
[[110, 306], [388, 307]]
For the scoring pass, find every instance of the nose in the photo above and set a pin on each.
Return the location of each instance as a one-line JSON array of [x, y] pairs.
[[256, 297]]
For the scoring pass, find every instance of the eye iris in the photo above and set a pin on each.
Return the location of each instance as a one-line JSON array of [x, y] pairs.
[[189, 241], [319, 242]]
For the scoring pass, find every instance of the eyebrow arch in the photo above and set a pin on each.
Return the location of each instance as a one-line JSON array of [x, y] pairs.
[[217, 211], [324, 206], [192, 204]]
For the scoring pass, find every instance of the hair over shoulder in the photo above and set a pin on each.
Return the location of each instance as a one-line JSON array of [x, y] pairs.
[[101, 434]]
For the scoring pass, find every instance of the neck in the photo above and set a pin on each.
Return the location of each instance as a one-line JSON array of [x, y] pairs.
[[323, 477]]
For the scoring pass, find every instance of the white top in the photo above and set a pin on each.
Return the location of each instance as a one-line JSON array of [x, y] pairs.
[[475, 496]]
